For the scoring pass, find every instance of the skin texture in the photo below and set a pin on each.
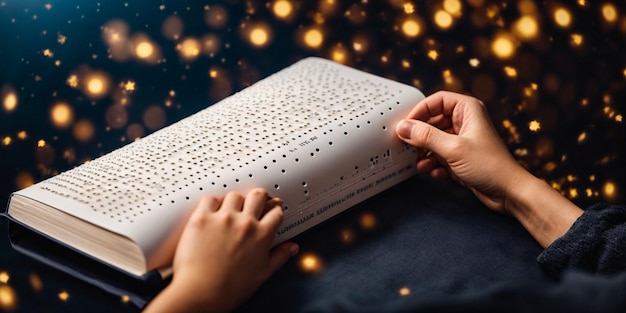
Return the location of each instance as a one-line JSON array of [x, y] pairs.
[[225, 254], [459, 141]]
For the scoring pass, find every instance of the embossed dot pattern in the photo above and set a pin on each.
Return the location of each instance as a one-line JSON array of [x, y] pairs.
[[246, 132]]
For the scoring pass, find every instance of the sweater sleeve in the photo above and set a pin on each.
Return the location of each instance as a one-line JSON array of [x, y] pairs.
[[596, 242]]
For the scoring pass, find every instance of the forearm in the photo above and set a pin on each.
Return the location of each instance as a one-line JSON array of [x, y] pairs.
[[543, 211]]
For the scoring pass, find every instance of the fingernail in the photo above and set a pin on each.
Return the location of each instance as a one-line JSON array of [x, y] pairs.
[[404, 129], [294, 248]]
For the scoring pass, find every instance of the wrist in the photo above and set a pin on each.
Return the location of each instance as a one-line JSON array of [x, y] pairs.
[[544, 212]]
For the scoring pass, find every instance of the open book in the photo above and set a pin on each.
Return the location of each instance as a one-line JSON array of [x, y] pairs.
[[317, 134]]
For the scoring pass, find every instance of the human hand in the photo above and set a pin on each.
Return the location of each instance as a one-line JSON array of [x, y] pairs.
[[459, 141], [225, 254]]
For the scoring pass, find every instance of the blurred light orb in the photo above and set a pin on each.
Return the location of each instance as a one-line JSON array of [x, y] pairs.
[[339, 54], [8, 298], [61, 115], [154, 117], [404, 291], [282, 9], [216, 16], [310, 263], [259, 36], [609, 12], [367, 221], [10, 101], [562, 17], [526, 27], [609, 190], [134, 131], [116, 116], [96, 85], [172, 28], [503, 46], [411, 27], [443, 19], [210, 44], [144, 49], [189, 49], [313, 38], [24, 179], [83, 130], [115, 32], [453, 7]]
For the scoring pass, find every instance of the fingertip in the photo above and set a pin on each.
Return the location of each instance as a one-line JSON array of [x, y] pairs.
[[404, 128]]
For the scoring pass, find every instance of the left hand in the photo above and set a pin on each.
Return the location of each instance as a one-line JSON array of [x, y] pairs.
[[225, 254]]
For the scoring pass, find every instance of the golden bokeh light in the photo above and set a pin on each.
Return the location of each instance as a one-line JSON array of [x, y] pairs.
[[63, 296], [562, 17], [367, 221], [576, 39], [189, 49], [503, 46], [144, 49], [526, 27], [609, 13], [8, 298], [154, 117], [534, 126], [116, 116], [115, 32], [61, 115], [313, 38], [96, 84], [259, 35], [411, 27], [609, 190], [339, 54], [4, 277], [404, 291], [35, 282], [443, 19], [454, 7], [9, 102], [6, 140], [282, 9], [83, 130], [310, 263], [215, 16], [347, 236], [210, 44], [172, 27], [134, 131], [24, 179]]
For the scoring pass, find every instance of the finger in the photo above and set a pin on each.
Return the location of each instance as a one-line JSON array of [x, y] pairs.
[[271, 203], [208, 204], [280, 255], [426, 165], [232, 201], [272, 219], [439, 103], [423, 135], [254, 204]]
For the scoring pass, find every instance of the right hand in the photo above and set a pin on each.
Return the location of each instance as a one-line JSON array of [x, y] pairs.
[[459, 141]]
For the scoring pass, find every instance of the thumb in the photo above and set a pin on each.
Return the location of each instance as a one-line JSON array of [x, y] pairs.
[[281, 254], [424, 135]]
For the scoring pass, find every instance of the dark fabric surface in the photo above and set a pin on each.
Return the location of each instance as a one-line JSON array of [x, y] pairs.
[[427, 247], [432, 240], [595, 243]]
